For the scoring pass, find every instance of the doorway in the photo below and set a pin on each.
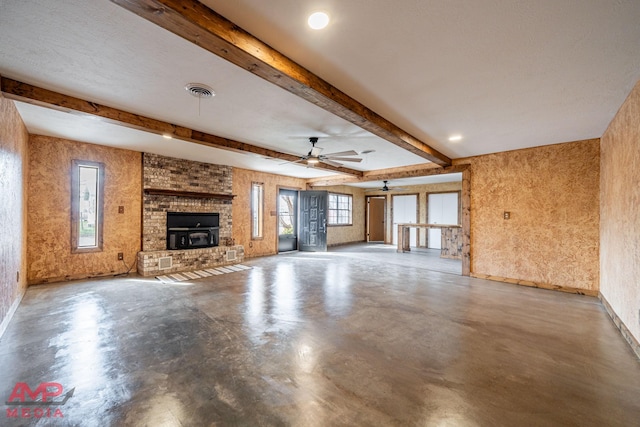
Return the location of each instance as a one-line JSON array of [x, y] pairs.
[[376, 207], [287, 220], [442, 209], [405, 211]]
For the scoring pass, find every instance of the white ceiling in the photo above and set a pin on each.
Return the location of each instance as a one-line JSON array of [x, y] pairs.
[[401, 183], [505, 75]]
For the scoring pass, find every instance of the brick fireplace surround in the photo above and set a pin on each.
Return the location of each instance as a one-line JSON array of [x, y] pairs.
[[198, 187]]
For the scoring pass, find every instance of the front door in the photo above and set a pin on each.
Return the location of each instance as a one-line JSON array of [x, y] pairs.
[[287, 220], [313, 221]]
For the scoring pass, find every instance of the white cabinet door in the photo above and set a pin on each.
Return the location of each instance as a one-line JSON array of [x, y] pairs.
[[443, 209], [405, 210]]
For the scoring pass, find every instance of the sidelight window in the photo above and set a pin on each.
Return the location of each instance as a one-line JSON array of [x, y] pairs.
[[257, 210], [87, 189], [340, 209]]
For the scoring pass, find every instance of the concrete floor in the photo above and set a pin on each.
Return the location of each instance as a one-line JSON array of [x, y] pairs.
[[357, 336], [424, 258]]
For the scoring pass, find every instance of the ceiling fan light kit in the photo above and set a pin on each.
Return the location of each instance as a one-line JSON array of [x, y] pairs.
[[314, 156]]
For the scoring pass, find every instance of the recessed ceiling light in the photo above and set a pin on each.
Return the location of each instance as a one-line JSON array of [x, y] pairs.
[[318, 20], [455, 138], [167, 136]]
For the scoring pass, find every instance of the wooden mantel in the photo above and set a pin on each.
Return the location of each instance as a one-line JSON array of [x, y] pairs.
[[192, 194]]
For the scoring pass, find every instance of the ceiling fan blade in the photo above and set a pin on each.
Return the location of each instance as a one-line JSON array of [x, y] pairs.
[[293, 161], [315, 151], [342, 153], [330, 162], [343, 159]]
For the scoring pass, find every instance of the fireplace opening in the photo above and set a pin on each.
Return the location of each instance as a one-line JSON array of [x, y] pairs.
[[192, 230]]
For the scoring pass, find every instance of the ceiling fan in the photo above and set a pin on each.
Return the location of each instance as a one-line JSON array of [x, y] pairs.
[[385, 187], [314, 157]]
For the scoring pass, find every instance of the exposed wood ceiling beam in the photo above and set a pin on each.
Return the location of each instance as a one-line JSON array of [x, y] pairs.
[[19, 91], [411, 171], [202, 26]]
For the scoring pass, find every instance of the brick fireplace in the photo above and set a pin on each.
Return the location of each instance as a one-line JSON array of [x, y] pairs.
[[176, 185]]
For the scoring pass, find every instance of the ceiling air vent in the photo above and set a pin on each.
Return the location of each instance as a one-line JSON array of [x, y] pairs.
[[200, 90]]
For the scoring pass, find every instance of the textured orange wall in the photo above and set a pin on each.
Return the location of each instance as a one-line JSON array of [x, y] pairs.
[[339, 234], [620, 213], [242, 179], [552, 193], [49, 222], [13, 208]]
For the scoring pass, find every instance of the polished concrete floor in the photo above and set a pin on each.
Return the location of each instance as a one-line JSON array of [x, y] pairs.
[[360, 336], [426, 258]]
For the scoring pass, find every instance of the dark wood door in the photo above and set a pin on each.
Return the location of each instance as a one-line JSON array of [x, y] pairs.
[[313, 221]]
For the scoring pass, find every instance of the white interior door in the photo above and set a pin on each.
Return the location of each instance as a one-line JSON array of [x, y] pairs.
[[405, 211], [443, 209]]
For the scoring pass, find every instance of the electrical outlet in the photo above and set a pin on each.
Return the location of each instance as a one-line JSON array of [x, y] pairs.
[[250, 244], [120, 256], [507, 215], [120, 209]]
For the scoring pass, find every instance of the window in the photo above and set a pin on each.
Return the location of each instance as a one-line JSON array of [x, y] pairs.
[[340, 209], [287, 212], [87, 188], [257, 209]]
